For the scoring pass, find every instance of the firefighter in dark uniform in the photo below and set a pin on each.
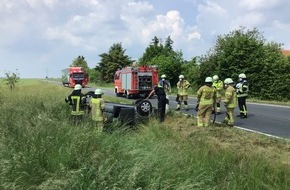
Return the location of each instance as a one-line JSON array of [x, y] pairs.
[[162, 100], [77, 100], [242, 88], [167, 87]]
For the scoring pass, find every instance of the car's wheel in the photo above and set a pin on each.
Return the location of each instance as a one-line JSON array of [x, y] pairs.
[[144, 108]]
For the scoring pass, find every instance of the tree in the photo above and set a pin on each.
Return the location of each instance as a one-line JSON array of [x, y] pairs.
[[170, 65], [190, 69], [11, 79], [80, 62], [112, 61], [153, 50], [168, 61], [245, 51]]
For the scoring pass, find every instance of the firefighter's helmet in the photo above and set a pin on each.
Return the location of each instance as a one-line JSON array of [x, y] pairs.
[[163, 76], [208, 79], [228, 81], [242, 75], [98, 92], [78, 87], [181, 77], [215, 78]]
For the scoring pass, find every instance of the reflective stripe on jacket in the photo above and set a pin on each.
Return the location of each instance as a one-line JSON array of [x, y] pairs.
[[182, 87], [166, 85], [97, 105], [206, 95], [218, 86], [230, 97], [242, 89], [76, 105]]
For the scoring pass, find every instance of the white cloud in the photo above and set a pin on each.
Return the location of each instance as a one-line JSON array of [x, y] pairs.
[[258, 4], [193, 36], [56, 31], [252, 19]]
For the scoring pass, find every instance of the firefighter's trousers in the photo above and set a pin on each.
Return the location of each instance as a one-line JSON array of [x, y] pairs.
[[184, 99], [204, 115], [229, 119], [243, 106], [161, 108]]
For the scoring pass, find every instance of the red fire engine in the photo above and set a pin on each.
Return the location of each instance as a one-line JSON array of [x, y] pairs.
[[135, 81], [74, 75]]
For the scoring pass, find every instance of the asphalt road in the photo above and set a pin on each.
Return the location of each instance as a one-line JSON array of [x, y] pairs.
[[271, 120]]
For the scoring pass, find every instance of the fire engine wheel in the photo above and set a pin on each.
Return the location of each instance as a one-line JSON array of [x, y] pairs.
[[144, 108]]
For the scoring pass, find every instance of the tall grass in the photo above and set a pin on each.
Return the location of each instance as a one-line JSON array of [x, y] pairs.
[[41, 149]]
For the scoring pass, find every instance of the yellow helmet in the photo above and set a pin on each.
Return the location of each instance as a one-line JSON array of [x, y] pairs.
[[163, 76]]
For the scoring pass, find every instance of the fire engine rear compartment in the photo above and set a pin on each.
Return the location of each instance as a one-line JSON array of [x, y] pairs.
[[142, 82]]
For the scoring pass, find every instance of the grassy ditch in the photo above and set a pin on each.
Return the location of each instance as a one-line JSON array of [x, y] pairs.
[[41, 149]]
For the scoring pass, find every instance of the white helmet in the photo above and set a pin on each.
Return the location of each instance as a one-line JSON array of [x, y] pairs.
[[228, 81], [242, 75], [208, 79], [181, 77], [98, 92], [78, 87], [215, 78], [163, 76]]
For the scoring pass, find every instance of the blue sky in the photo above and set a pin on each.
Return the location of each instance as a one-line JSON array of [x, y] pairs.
[[42, 37]]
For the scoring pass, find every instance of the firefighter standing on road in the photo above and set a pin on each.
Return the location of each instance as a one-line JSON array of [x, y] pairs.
[[206, 96], [167, 87], [162, 100], [97, 105], [242, 88], [218, 85], [77, 100], [230, 101], [182, 87]]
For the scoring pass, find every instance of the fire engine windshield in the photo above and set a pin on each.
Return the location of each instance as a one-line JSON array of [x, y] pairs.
[[78, 76]]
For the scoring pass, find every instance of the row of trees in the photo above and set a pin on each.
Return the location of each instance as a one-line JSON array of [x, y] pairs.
[[240, 51]]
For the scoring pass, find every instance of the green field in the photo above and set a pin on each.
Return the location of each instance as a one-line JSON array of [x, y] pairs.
[[41, 149]]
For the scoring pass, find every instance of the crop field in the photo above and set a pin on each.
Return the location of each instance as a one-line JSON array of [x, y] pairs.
[[41, 149]]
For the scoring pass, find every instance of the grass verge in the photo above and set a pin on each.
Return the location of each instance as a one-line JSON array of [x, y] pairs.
[[41, 149]]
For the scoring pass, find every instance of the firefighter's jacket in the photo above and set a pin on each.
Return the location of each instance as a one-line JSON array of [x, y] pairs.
[[206, 95], [97, 108], [77, 100], [230, 97], [182, 87], [218, 85], [166, 85], [242, 88]]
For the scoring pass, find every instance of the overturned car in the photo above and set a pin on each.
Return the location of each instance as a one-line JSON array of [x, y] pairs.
[[126, 114]]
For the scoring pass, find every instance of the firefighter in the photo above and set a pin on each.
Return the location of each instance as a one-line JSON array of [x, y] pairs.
[[97, 106], [77, 100], [167, 87], [206, 97], [230, 101], [242, 88], [218, 85], [182, 87], [162, 101]]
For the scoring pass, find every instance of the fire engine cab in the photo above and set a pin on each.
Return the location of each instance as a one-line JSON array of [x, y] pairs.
[[135, 81]]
